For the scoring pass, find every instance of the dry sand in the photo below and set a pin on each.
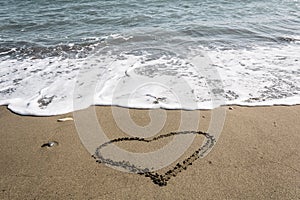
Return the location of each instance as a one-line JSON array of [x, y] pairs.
[[256, 157]]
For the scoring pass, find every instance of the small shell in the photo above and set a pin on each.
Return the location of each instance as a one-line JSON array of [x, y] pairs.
[[65, 119], [230, 108], [50, 144]]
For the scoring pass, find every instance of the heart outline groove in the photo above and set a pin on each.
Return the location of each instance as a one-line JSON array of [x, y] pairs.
[[159, 179]]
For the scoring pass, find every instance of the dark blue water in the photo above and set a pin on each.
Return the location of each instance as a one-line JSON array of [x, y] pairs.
[[229, 24]]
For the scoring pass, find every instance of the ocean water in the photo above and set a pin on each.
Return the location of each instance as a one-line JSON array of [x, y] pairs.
[[60, 56]]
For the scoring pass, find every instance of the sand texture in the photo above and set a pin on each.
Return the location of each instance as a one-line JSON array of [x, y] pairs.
[[257, 156]]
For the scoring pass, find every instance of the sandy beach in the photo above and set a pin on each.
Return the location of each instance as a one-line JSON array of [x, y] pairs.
[[257, 156], [150, 100]]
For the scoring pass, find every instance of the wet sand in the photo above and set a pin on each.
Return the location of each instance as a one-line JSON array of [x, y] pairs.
[[257, 156]]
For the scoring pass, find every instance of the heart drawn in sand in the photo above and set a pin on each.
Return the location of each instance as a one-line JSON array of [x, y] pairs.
[[159, 179]]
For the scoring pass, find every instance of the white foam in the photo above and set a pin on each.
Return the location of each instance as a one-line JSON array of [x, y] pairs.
[[260, 76], [111, 36], [252, 77]]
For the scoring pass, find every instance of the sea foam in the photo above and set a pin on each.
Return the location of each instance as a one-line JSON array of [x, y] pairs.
[[152, 78]]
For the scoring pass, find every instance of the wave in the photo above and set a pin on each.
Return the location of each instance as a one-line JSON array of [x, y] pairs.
[[147, 77]]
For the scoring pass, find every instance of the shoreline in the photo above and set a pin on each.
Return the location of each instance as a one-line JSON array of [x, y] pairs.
[[149, 109], [256, 156]]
